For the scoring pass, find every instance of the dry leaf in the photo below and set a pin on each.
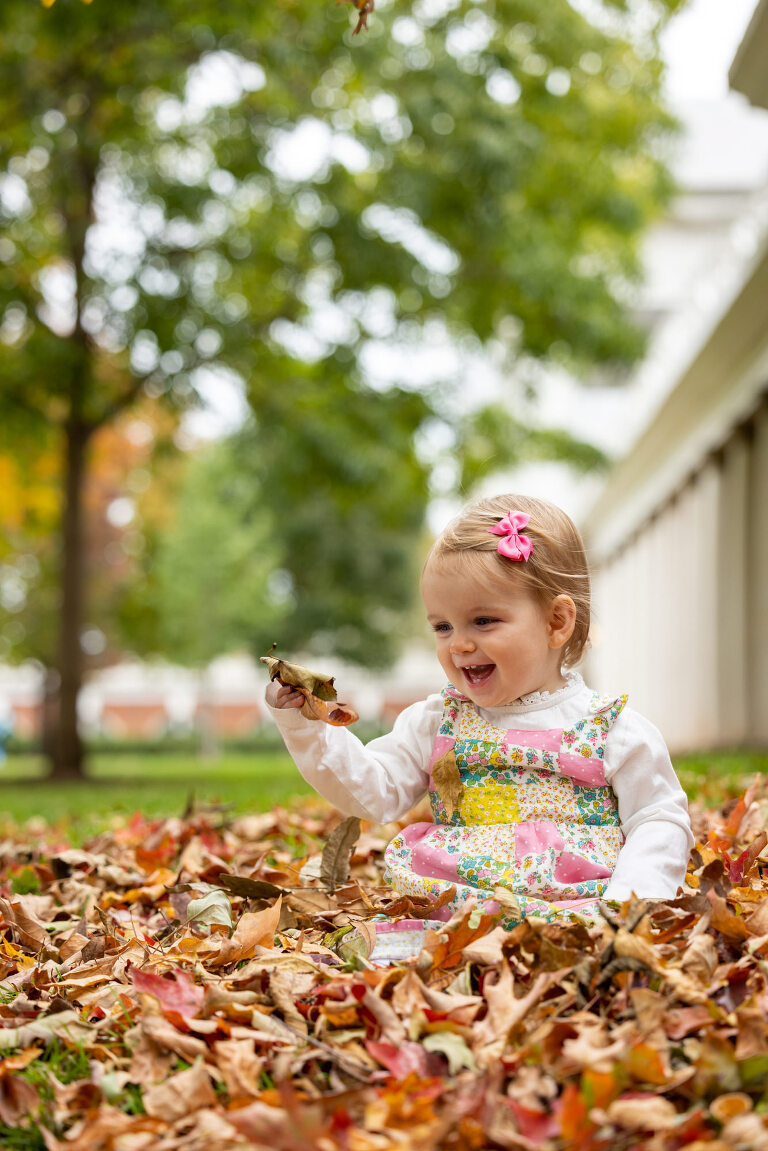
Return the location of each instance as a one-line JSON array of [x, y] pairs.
[[337, 714], [241, 1067], [364, 7], [27, 927], [178, 993], [643, 1113], [504, 1012], [334, 868], [294, 675], [558, 1019], [447, 781], [250, 888], [700, 959], [254, 929], [66, 1025], [181, 1094], [320, 700]]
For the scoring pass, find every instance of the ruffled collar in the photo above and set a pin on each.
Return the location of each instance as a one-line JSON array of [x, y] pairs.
[[536, 699]]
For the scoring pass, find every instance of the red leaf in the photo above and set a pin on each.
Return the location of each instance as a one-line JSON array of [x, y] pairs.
[[178, 994], [408, 1057], [534, 1125]]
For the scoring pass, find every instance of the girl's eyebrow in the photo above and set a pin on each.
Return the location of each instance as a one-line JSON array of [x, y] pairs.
[[472, 611]]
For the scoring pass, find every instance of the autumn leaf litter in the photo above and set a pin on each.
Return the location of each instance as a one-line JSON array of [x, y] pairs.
[[199, 983]]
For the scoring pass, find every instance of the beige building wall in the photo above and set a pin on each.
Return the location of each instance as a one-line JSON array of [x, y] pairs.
[[757, 581], [681, 604], [679, 537]]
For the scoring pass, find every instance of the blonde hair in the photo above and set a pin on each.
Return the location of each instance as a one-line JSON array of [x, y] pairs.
[[557, 564]]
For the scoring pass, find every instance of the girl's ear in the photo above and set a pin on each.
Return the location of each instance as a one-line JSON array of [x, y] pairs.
[[561, 620]]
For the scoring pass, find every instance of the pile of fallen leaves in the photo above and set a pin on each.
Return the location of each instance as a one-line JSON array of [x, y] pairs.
[[196, 983]]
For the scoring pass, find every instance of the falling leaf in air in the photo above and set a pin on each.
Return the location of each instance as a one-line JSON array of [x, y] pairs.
[[364, 8]]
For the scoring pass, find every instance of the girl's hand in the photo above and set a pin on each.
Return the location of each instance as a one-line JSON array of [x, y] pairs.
[[281, 695]]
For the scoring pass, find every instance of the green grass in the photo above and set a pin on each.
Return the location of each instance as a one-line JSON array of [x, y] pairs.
[[715, 776], [154, 784], [158, 784]]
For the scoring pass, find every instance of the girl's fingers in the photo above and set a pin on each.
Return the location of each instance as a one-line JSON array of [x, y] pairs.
[[284, 696]]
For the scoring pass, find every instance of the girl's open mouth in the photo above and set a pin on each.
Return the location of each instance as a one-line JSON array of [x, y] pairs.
[[478, 674]]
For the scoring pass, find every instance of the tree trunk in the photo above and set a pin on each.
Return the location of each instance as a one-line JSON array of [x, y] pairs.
[[67, 758], [50, 709]]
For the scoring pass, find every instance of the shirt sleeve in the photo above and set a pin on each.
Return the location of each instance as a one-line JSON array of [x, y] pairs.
[[380, 780], [653, 810]]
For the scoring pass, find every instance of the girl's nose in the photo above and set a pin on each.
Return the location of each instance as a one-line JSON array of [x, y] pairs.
[[461, 642]]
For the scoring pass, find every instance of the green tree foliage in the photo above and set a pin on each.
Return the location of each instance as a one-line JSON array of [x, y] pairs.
[[211, 570], [348, 491], [488, 168]]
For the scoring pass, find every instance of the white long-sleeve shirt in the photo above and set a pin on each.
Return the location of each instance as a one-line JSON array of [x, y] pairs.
[[383, 779]]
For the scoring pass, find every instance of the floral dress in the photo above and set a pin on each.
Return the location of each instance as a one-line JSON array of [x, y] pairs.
[[530, 812]]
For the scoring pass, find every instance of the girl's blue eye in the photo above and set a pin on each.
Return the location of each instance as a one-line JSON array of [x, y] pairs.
[[483, 619], [441, 627]]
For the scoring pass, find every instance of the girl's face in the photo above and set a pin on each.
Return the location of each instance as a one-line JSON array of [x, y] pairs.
[[494, 640]]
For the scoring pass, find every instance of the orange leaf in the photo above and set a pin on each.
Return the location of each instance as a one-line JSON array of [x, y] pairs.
[[599, 1088], [254, 929], [573, 1116], [645, 1065]]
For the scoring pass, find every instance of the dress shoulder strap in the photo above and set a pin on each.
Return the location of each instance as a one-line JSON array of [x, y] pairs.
[[606, 709], [453, 701]]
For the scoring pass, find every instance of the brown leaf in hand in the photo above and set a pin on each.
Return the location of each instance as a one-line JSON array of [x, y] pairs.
[[294, 675], [337, 714], [320, 700], [447, 781], [334, 869]]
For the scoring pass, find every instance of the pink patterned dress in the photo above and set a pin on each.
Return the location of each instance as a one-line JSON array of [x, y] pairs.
[[534, 816]]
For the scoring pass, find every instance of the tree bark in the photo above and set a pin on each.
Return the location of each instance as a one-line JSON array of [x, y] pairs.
[[67, 761], [50, 709]]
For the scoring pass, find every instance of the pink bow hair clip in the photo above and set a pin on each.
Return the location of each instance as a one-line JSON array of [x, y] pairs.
[[513, 546]]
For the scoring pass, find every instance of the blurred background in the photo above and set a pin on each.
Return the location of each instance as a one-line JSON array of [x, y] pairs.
[[277, 297]]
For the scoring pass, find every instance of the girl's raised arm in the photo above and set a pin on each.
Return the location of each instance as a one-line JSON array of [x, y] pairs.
[[379, 781]]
